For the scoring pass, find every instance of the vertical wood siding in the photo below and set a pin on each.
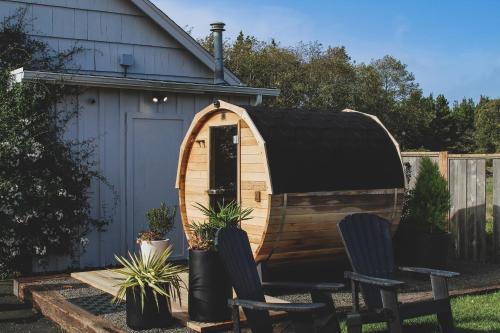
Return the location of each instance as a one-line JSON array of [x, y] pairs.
[[105, 30], [109, 117]]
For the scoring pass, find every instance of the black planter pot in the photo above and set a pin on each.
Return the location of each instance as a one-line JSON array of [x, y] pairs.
[[431, 251], [404, 246], [152, 316], [209, 287]]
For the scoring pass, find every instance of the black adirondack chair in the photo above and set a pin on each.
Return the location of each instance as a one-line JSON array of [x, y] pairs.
[[236, 255], [367, 239]]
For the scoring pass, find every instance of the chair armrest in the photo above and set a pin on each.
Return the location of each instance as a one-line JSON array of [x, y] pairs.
[[287, 307], [301, 286], [379, 282], [429, 271]]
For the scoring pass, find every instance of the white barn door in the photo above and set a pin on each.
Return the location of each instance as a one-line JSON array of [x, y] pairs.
[[152, 151]]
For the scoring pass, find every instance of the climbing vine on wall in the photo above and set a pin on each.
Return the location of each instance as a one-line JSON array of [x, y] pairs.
[[44, 179]]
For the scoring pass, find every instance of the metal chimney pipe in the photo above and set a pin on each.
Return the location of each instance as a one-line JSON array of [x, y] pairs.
[[217, 29]]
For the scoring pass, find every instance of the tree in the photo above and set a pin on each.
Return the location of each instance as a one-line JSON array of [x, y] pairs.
[[330, 78], [487, 126], [311, 76], [440, 131], [463, 120], [398, 83], [44, 180]]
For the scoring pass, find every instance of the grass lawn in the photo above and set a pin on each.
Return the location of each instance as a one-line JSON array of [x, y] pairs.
[[472, 314]]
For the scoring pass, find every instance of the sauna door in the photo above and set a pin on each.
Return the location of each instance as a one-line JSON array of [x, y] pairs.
[[223, 164]]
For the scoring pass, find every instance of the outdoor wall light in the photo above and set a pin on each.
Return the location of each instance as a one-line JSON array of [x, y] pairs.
[[157, 99]]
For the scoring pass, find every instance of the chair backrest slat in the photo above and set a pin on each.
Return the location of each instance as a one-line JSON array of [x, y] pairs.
[[367, 239], [236, 256]]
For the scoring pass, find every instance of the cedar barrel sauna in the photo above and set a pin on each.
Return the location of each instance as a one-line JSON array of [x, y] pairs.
[[300, 171]]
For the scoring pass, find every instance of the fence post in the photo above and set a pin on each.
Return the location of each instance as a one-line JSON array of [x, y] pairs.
[[443, 163]]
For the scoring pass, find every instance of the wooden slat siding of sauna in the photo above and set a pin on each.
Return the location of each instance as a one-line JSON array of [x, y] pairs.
[[197, 166], [292, 245], [199, 158], [321, 222], [253, 185], [197, 174], [458, 193], [496, 209], [254, 167], [253, 178], [297, 255], [248, 141], [340, 203], [311, 219]]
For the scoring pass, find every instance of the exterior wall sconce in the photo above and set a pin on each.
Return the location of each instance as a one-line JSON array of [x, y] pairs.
[[157, 99]]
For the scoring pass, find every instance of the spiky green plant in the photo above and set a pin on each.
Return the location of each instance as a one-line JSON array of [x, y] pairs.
[[203, 233], [157, 273]]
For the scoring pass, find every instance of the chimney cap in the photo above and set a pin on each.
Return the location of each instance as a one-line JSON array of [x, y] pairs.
[[217, 26]]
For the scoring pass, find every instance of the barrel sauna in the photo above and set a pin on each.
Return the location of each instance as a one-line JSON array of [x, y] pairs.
[[300, 171]]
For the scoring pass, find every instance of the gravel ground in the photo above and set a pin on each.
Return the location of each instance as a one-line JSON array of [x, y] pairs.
[[99, 303]]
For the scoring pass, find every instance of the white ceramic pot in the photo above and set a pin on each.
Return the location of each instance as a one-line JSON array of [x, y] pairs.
[[150, 248]]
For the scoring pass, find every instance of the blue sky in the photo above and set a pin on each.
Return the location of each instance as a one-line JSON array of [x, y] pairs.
[[452, 47]]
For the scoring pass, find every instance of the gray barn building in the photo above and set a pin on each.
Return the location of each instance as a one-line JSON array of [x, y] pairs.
[[143, 79]]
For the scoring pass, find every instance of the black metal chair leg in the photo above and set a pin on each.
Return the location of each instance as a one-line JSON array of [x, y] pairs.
[[440, 291], [327, 320], [354, 323]]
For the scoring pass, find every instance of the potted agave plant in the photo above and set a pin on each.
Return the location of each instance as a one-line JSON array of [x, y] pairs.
[[209, 287], [161, 221], [148, 287], [427, 215]]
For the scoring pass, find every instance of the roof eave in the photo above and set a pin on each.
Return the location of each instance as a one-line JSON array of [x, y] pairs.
[[21, 75], [186, 40]]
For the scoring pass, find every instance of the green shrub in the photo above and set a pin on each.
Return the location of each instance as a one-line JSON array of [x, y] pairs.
[[44, 179], [429, 200], [161, 220]]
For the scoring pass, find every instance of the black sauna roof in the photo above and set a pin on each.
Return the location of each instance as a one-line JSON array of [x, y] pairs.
[[313, 151]]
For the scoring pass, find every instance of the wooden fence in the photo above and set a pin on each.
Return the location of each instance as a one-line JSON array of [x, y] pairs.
[[467, 176]]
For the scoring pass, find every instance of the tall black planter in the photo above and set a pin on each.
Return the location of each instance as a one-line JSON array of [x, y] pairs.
[[432, 250], [152, 316], [209, 287]]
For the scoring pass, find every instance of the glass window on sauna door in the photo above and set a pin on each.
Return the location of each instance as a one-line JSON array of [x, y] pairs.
[[223, 165]]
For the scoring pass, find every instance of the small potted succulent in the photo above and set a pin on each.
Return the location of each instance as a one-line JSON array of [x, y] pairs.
[[209, 286], [148, 287], [427, 216], [160, 220]]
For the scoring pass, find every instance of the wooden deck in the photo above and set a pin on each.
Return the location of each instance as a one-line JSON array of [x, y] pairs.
[[107, 280]]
